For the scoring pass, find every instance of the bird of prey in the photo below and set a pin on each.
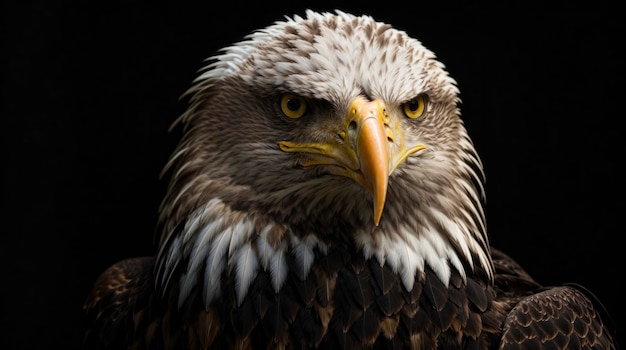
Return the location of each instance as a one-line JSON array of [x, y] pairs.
[[325, 194]]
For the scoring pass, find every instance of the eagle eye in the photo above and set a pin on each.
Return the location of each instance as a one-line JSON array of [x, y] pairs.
[[414, 107], [293, 106]]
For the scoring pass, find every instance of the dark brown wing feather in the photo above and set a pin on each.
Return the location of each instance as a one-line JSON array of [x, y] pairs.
[[556, 318], [563, 317], [510, 278], [117, 304]]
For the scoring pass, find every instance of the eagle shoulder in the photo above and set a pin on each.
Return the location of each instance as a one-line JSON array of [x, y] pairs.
[[117, 306]]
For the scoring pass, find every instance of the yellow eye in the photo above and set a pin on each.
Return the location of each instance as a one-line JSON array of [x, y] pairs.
[[292, 106], [414, 107]]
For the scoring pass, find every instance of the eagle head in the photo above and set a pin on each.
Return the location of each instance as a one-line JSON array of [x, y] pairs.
[[318, 131]]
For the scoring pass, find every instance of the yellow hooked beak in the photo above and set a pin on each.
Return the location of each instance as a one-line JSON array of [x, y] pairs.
[[362, 153]]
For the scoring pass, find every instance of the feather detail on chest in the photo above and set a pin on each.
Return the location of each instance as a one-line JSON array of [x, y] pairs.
[[218, 243], [257, 281]]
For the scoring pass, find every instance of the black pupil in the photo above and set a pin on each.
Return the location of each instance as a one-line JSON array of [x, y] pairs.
[[413, 105], [293, 104]]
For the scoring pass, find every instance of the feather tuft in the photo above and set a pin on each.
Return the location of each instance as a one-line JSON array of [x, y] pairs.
[[246, 267], [304, 255]]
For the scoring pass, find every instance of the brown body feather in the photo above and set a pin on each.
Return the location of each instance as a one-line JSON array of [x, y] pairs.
[[346, 303]]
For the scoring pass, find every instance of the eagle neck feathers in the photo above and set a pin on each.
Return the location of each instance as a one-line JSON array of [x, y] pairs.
[[214, 241]]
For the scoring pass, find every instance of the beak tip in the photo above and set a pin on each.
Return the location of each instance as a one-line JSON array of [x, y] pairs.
[[377, 221], [379, 204]]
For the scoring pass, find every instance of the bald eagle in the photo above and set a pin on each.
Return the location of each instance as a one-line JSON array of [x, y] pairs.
[[325, 194]]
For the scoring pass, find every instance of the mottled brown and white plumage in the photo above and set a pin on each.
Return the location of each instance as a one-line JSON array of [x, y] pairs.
[[326, 194]]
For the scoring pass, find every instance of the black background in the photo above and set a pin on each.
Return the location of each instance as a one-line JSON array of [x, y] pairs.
[[89, 90]]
